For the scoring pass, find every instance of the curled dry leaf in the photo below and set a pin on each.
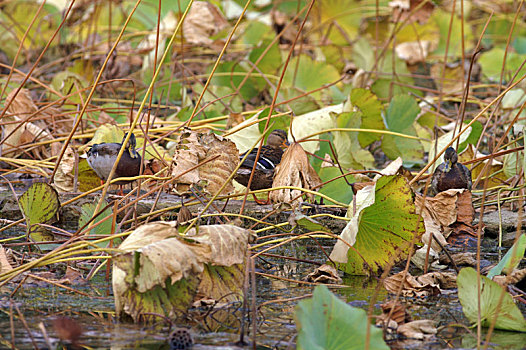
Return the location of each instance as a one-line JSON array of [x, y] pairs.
[[15, 135], [398, 314], [161, 271], [411, 287], [324, 274], [194, 148], [466, 258], [419, 258], [203, 21], [65, 177], [442, 211], [465, 211], [356, 186], [5, 265], [515, 277], [420, 329], [294, 170], [445, 280], [218, 170], [413, 51], [187, 155]]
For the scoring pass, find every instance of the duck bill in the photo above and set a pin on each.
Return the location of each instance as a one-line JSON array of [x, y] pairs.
[[447, 166], [134, 153]]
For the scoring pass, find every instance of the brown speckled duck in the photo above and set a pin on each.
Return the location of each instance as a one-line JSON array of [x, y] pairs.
[[102, 156], [450, 174], [269, 158]]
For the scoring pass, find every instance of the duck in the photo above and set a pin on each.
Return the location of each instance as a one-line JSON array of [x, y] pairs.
[[450, 174], [102, 156], [269, 157]]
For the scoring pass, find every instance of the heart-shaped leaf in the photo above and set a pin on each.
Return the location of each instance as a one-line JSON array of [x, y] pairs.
[[509, 316], [326, 322]]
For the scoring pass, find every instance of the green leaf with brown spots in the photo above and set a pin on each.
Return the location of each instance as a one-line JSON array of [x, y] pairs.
[[371, 110], [39, 205], [382, 231]]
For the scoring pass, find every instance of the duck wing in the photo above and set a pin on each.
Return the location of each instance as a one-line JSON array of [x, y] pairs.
[[269, 158]]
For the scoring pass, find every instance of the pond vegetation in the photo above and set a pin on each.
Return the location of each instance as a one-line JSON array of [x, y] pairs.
[[378, 148]]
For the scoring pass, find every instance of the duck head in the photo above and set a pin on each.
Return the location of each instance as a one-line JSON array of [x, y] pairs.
[[450, 159], [277, 138]]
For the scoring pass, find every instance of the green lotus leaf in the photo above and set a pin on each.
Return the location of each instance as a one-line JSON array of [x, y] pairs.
[[326, 322], [338, 189], [347, 144], [371, 116], [104, 228], [509, 316], [305, 74], [39, 205], [401, 113], [382, 229]]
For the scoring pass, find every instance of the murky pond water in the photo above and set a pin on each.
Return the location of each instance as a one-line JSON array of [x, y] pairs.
[[276, 301]]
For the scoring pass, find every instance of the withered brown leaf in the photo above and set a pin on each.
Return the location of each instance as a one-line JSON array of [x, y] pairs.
[[294, 170], [194, 148]]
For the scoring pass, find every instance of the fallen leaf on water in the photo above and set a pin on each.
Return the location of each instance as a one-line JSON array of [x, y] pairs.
[[324, 274], [5, 265], [442, 211], [397, 310], [326, 322], [515, 277], [445, 280], [496, 306], [411, 287], [465, 258], [161, 271], [420, 329]]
